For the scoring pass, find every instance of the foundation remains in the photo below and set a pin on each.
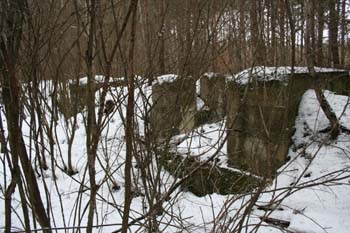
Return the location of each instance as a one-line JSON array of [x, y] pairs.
[[261, 117]]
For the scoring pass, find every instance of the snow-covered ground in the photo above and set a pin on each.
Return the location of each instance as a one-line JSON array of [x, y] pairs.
[[314, 186], [312, 191]]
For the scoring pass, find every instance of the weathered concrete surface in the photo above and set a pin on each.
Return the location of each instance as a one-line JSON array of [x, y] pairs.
[[174, 106], [209, 178], [72, 96], [72, 99], [212, 92], [261, 117]]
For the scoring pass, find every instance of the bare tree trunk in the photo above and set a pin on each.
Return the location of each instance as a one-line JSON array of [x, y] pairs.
[[333, 33], [273, 32], [213, 29], [308, 33], [242, 32], [91, 118], [15, 181], [162, 38], [292, 31], [320, 29], [302, 36], [10, 189], [327, 109], [149, 36], [10, 42], [335, 128], [188, 53], [344, 30], [11, 99], [282, 46], [256, 35], [129, 123]]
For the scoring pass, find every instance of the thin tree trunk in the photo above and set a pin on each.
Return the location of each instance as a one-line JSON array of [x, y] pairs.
[[257, 43], [302, 36], [148, 32], [10, 42], [335, 128], [187, 55], [129, 124], [327, 109], [254, 31], [212, 20], [162, 39], [273, 32], [343, 32], [320, 29], [10, 189], [333, 34], [283, 52], [292, 31], [18, 148], [242, 32], [91, 118], [313, 31]]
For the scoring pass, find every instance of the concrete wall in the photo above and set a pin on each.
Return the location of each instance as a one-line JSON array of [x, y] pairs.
[[261, 116], [174, 106], [212, 92], [72, 97]]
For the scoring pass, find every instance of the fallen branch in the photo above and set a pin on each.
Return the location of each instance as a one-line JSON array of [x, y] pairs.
[[275, 222]]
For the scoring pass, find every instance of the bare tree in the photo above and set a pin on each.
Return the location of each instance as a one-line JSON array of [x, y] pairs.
[[10, 42], [335, 127], [129, 120], [333, 33]]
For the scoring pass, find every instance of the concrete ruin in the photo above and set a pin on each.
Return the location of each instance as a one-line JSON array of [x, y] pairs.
[[212, 92], [260, 111], [174, 106], [261, 116], [72, 96]]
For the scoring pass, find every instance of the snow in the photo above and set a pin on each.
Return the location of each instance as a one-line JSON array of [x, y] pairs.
[[204, 141], [198, 87], [98, 79], [312, 119], [311, 190], [200, 105], [209, 74], [322, 202], [167, 78], [266, 73]]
